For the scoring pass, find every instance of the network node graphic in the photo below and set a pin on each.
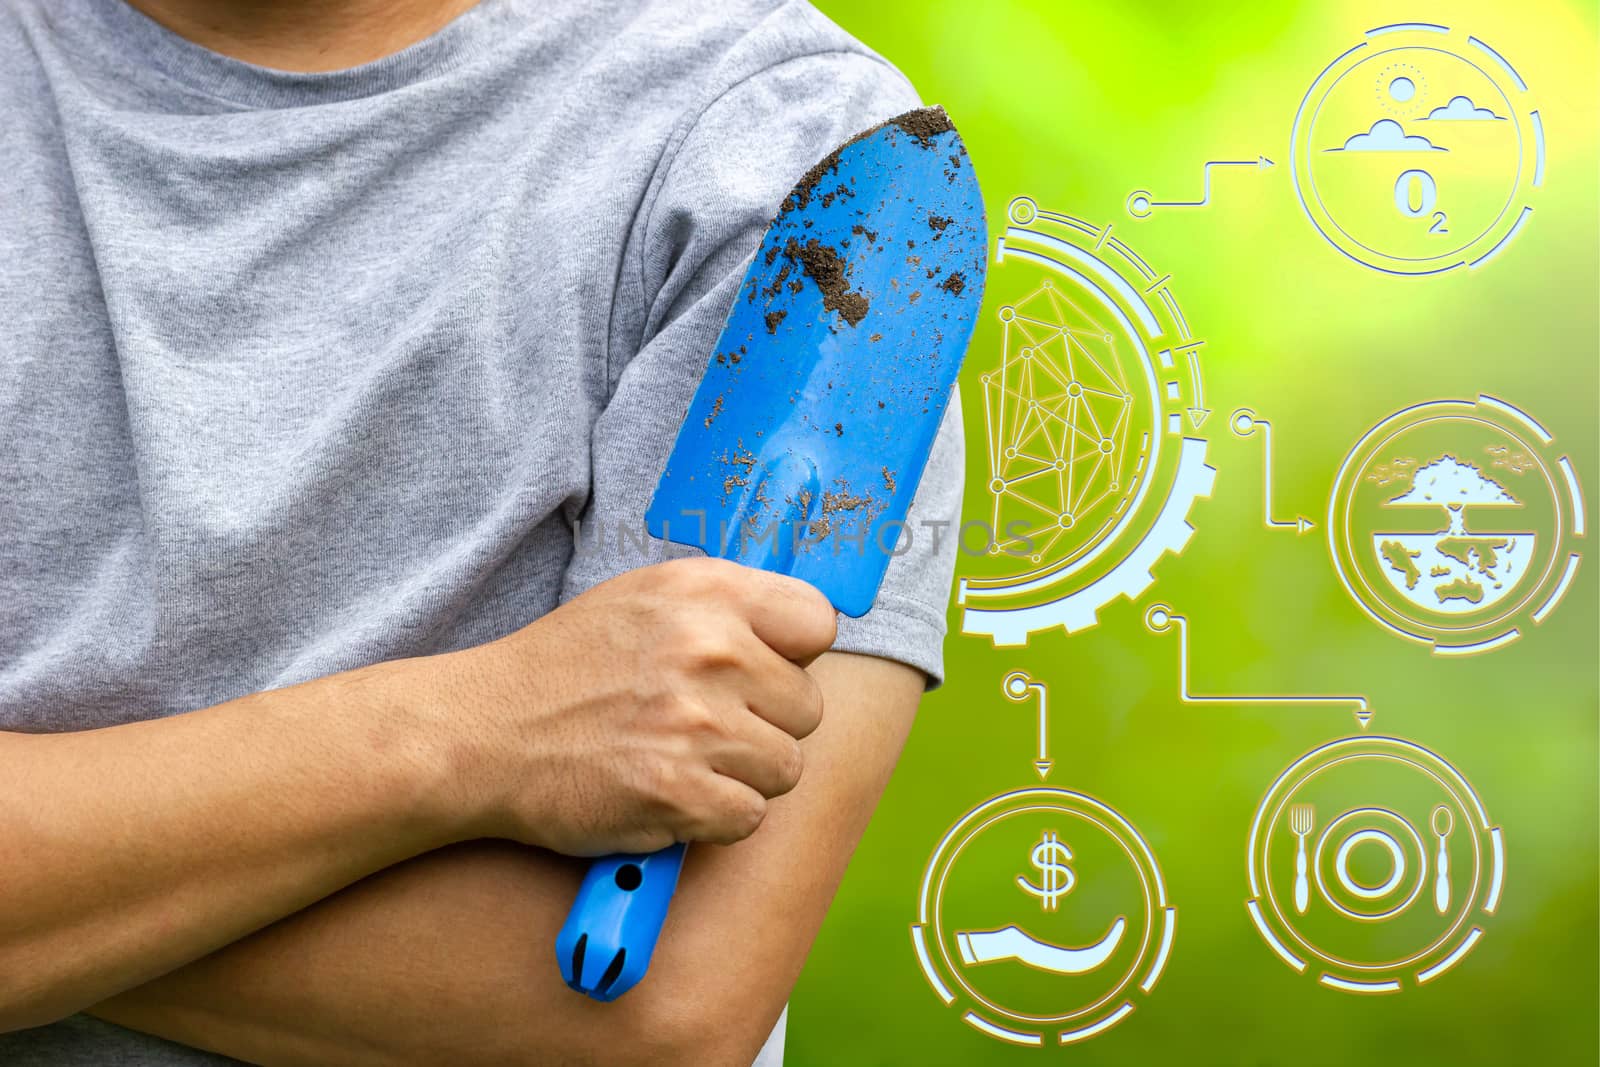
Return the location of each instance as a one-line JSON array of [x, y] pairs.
[[1092, 411], [1457, 523], [1373, 864], [1043, 917], [1419, 150]]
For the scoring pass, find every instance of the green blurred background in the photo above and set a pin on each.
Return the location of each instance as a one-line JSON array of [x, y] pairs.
[[1076, 105]]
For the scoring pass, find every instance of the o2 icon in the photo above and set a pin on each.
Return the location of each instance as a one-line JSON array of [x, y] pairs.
[[1415, 194]]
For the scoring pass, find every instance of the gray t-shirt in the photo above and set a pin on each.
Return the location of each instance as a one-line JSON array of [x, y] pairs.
[[299, 372]]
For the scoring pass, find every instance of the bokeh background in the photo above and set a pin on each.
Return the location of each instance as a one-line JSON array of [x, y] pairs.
[[1076, 105]]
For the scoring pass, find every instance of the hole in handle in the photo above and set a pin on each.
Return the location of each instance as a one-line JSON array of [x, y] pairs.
[[629, 877]]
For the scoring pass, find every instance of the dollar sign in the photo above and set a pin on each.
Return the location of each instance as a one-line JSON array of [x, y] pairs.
[[1050, 857]]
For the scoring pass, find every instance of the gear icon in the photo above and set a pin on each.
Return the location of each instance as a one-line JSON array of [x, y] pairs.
[[1092, 422]]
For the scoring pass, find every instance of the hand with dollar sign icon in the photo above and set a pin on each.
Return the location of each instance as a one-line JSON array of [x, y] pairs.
[[1050, 857]]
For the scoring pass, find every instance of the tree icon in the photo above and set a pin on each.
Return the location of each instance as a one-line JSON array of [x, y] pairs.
[[1449, 483]]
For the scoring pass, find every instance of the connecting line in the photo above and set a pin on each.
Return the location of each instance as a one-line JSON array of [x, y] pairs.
[[1160, 618], [1244, 423], [1016, 687], [1141, 202]]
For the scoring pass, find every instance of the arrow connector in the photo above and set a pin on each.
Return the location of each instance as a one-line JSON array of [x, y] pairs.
[[1016, 686]]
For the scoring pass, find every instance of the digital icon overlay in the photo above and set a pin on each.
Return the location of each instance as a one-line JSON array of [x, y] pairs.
[[1374, 865], [1092, 413], [1457, 524], [1043, 916], [1418, 150]]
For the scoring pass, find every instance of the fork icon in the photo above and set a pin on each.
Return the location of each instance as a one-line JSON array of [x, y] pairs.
[[1301, 817]]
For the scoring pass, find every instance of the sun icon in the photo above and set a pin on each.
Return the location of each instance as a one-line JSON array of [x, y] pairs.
[[1401, 90]]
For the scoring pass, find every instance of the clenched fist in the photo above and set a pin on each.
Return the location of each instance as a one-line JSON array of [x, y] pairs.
[[664, 705]]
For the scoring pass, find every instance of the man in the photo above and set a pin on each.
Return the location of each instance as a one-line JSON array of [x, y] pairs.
[[324, 323]]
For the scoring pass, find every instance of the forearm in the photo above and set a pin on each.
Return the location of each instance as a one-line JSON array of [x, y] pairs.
[[428, 962], [450, 958], [131, 850]]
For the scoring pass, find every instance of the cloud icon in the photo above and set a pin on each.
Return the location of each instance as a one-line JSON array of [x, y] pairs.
[[1461, 109], [1387, 136]]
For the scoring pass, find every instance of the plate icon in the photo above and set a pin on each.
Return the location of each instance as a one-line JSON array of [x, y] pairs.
[[1373, 864]]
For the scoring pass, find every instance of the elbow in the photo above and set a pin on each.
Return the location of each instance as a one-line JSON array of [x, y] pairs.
[[701, 1025]]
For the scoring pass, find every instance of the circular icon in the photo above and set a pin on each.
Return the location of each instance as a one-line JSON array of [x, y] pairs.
[[1454, 523], [1042, 915], [1401, 877], [1418, 150], [1091, 411], [1372, 860]]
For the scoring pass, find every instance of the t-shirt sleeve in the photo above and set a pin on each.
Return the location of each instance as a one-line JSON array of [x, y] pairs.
[[720, 188]]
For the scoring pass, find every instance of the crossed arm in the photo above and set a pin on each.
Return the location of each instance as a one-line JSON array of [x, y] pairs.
[[450, 956]]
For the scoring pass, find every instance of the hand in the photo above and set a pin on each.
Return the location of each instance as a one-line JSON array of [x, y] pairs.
[[664, 705]]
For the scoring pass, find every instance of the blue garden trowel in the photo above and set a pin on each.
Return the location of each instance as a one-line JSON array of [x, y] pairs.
[[808, 434]]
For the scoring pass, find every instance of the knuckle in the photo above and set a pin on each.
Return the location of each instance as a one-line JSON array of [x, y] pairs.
[[748, 815], [733, 820], [790, 765], [826, 621], [660, 782], [685, 715], [673, 576], [703, 573], [813, 614], [703, 649], [807, 705]]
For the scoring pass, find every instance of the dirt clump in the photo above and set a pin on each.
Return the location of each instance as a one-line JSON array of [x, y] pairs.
[[823, 265], [924, 124]]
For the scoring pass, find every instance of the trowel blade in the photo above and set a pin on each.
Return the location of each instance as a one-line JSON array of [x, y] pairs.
[[807, 437]]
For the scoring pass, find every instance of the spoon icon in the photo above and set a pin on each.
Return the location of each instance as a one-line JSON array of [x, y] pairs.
[[1442, 822]]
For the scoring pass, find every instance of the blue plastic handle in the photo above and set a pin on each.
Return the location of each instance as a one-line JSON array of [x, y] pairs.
[[611, 932]]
